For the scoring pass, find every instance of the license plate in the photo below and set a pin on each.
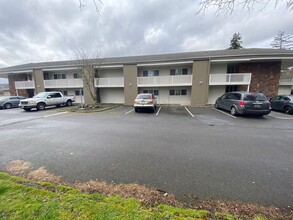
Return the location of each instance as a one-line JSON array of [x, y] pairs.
[[257, 106]]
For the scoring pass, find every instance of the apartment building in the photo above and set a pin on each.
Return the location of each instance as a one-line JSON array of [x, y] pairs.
[[192, 78]]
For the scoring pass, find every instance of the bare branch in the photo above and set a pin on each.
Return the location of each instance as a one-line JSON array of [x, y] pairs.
[[228, 6], [97, 3]]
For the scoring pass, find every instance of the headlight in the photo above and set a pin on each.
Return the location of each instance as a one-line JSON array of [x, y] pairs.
[[32, 102]]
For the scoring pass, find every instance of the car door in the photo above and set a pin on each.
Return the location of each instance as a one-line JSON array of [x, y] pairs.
[[283, 102], [226, 101], [221, 100], [274, 101], [58, 98], [14, 101]]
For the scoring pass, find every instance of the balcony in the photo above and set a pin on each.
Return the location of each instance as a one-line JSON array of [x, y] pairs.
[[286, 81], [63, 83], [230, 79], [155, 81], [24, 84], [109, 82]]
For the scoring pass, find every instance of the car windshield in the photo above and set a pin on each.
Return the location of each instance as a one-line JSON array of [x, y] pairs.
[[42, 95], [143, 96], [255, 97]]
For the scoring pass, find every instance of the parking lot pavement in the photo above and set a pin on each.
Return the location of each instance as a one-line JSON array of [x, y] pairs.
[[280, 115], [211, 155]]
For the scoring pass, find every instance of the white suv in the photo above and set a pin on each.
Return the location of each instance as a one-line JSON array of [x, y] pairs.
[[145, 101]]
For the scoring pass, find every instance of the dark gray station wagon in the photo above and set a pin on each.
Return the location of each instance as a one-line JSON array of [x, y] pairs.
[[282, 103], [244, 103]]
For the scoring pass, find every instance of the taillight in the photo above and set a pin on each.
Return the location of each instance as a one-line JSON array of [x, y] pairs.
[[151, 99], [241, 103], [270, 104]]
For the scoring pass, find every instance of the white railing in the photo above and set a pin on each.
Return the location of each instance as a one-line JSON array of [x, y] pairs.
[[286, 81], [24, 84], [109, 82], [185, 80], [230, 79], [63, 83]]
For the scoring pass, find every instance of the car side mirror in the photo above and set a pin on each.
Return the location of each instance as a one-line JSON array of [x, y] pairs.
[[48, 97]]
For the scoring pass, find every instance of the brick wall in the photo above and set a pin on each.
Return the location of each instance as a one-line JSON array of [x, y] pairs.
[[17, 77], [264, 78]]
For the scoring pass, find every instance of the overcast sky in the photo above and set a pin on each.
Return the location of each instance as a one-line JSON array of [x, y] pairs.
[[46, 30]]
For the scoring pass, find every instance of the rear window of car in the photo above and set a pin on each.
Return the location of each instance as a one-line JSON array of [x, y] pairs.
[[143, 96], [255, 97]]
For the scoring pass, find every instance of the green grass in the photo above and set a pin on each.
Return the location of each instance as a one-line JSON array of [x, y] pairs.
[[24, 199]]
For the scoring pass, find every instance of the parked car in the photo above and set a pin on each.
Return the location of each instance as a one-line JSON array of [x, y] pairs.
[[282, 103], [10, 101], [244, 103], [43, 99], [145, 101]]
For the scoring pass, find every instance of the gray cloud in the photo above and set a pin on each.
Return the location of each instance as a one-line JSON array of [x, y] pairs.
[[35, 31]]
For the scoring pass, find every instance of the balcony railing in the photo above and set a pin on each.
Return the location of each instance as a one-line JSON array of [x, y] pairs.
[[63, 83], [24, 84], [185, 80], [109, 82], [230, 79], [286, 81]]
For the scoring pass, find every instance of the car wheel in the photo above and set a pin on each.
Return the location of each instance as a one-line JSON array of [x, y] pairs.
[[27, 109], [41, 106], [69, 103], [288, 110], [233, 111], [7, 106]]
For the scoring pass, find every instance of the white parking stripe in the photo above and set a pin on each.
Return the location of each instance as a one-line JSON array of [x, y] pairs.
[[189, 112], [158, 111], [224, 113], [126, 113], [273, 116], [60, 113]]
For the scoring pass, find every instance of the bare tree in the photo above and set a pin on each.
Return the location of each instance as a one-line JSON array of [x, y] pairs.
[[97, 3], [228, 6], [282, 41], [236, 41], [89, 66]]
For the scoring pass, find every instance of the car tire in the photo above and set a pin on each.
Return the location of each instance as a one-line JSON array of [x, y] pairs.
[[27, 109], [7, 106], [41, 106], [69, 103], [233, 111], [288, 110]]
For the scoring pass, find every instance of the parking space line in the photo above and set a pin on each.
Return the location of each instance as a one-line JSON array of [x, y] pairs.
[[224, 113], [126, 113], [60, 113], [189, 112], [158, 111], [273, 116]]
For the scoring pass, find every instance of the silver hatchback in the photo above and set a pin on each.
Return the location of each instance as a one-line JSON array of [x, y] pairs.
[[145, 101]]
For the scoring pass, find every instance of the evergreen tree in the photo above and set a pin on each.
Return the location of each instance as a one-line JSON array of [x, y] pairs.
[[236, 42]]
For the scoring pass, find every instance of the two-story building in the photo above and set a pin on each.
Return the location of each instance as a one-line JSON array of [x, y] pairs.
[[192, 78]]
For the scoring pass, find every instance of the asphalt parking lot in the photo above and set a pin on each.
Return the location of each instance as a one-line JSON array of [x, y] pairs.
[[198, 151]]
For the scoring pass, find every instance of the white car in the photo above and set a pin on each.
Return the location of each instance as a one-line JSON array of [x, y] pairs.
[[145, 101]]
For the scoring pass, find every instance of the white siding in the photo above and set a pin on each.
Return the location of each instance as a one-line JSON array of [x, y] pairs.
[[215, 92], [165, 98], [284, 90], [112, 73], [112, 95], [218, 68]]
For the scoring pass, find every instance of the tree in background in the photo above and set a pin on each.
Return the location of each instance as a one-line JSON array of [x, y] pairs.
[[89, 66], [228, 6], [282, 41], [236, 42]]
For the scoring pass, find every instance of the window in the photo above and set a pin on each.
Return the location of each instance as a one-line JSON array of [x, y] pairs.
[[60, 76], [177, 92], [151, 91], [178, 71], [55, 76], [63, 76], [77, 92], [150, 73], [76, 75]]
